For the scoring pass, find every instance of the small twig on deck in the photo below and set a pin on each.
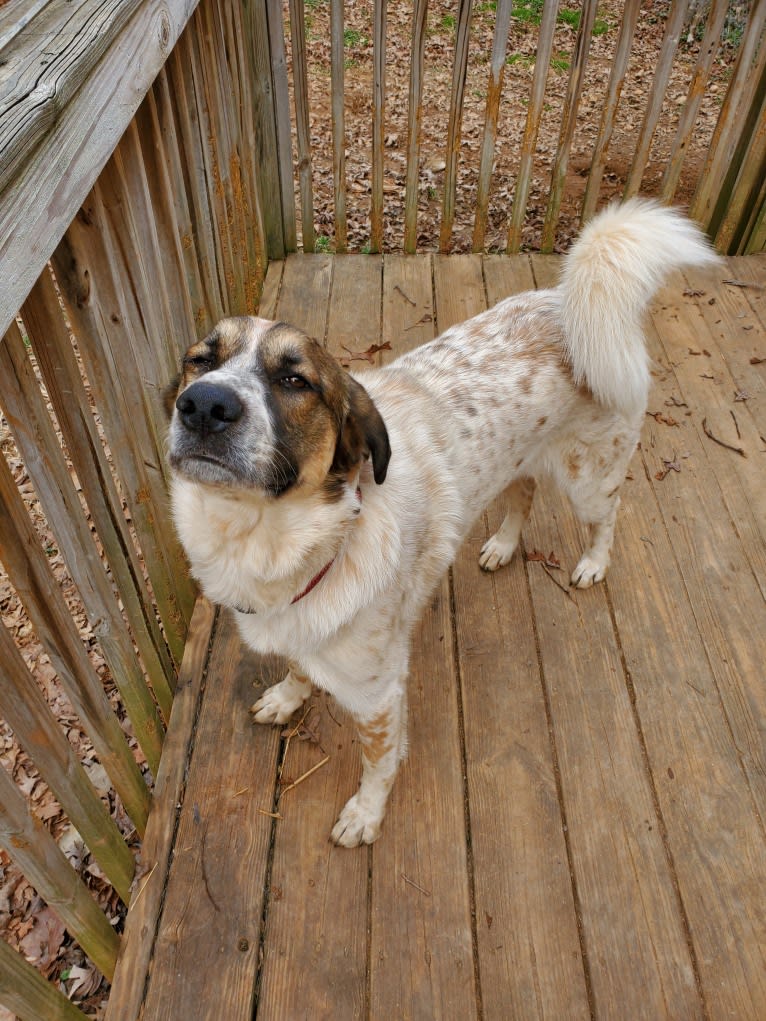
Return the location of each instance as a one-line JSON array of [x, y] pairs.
[[744, 283], [406, 297], [271, 815], [239, 793], [305, 776], [143, 886], [721, 443], [427, 318], [736, 424], [420, 889], [566, 589]]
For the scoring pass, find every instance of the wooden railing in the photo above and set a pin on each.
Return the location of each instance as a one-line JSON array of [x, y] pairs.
[[149, 167], [728, 195]]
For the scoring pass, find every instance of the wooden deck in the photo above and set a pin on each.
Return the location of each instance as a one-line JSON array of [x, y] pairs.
[[579, 828]]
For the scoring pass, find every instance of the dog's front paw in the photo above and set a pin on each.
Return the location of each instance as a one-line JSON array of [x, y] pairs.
[[588, 571], [496, 553], [277, 704], [357, 824]]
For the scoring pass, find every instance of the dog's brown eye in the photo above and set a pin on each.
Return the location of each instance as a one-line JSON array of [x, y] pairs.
[[199, 361], [295, 383]]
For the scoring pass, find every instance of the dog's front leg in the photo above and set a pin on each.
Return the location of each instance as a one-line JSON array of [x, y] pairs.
[[383, 736], [278, 703]]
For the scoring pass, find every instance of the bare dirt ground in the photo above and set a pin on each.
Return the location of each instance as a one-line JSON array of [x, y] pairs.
[[25, 921]]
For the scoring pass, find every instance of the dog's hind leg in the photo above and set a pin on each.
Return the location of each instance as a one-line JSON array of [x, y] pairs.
[[499, 548], [278, 703]]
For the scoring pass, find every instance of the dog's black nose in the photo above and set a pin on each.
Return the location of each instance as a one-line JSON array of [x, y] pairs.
[[208, 407]]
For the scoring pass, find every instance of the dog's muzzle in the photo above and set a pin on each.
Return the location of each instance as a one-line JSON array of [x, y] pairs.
[[206, 408]]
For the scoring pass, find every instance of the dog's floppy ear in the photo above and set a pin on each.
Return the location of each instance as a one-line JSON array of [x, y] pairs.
[[363, 432]]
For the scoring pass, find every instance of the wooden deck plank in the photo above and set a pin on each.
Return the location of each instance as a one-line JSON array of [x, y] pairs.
[[420, 927], [625, 886], [214, 899], [318, 909], [529, 952], [577, 831]]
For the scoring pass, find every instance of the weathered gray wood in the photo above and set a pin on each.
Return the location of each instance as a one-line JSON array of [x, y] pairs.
[[568, 122], [256, 29], [751, 61], [532, 126], [31, 846], [125, 371], [414, 119], [707, 52], [55, 356], [673, 29], [30, 574], [338, 123], [282, 120], [137, 943], [302, 125], [25, 992], [379, 108], [609, 109], [73, 38], [459, 71], [494, 89], [64, 165], [38, 445], [24, 708]]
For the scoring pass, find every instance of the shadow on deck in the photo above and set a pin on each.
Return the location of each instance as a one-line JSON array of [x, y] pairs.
[[578, 829]]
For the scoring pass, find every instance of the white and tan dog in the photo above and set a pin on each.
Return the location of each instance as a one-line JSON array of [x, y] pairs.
[[322, 508]]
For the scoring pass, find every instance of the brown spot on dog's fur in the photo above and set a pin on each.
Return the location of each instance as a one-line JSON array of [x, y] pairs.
[[375, 737], [573, 464], [542, 420]]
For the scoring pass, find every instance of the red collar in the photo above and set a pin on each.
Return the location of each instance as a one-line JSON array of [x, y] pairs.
[[314, 581], [317, 577]]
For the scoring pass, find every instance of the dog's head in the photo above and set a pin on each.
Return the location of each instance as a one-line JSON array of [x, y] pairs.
[[260, 405]]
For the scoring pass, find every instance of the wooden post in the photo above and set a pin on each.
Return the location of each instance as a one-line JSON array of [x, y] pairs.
[[459, 71]]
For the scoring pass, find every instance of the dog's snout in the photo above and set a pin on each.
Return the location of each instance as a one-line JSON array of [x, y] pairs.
[[209, 407]]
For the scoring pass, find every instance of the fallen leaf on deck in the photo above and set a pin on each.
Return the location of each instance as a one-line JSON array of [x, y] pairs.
[[550, 561], [755, 360], [664, 419], [363, 356]]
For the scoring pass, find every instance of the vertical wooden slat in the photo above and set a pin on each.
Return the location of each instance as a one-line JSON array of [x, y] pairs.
[[378, 113], [256, 33], [25, 992], [673, 29], [755, 241], [748, 187], [38, 445], [29, 843], [247, 195], [417, 50], [30, 574], [609, 110], [494, 90], [194, 183], [25, 710], [459, 71], [748, 71], [282, 116], [338, 123], [302, 125], [63, 381], [127, 991], [685, 128], [532, 126], [568, 122], [160, 106], [93, 267]]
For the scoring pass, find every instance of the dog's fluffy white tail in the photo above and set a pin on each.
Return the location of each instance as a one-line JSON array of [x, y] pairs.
[[609, 278]]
